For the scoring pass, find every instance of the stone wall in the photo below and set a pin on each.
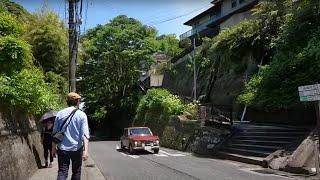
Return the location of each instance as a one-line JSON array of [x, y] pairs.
[[21, 150], [227, 88]]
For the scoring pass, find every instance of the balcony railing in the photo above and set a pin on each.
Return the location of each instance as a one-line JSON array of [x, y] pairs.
[[199, 28]]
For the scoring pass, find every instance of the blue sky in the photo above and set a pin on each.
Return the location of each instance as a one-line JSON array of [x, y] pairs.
[[167, 16]]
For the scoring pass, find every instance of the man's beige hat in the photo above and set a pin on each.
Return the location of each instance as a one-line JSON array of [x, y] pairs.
[[73, 96]]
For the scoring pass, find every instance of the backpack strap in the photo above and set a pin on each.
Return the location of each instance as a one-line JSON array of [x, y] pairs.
[[71, 114]]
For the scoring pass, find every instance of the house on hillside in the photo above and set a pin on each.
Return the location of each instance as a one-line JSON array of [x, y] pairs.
[[222, 14]]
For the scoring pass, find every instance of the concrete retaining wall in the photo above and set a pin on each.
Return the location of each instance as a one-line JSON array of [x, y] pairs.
[[21, 150]]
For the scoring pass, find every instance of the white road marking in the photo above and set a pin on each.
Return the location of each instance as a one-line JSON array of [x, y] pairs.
[[123, 154], [174, 155], [134, 156], [161, 155]]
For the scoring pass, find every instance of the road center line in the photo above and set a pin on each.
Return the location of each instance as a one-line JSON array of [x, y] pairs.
[[123, 154], [174, 155], [161, 155]]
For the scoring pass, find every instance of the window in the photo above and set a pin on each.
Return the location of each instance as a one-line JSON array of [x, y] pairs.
[[140, 131], [241, 1], [233, 3]]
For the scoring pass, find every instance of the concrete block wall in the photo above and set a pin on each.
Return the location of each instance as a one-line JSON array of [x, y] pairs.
[[21, 151]]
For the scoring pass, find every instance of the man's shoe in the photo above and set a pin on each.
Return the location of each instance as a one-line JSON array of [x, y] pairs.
[[50, 165], [46, 165]]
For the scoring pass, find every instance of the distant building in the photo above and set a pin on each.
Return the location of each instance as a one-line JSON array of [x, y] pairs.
[[222, 14]]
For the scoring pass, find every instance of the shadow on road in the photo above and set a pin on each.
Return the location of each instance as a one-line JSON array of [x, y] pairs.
[[94, 138], [142, 152]]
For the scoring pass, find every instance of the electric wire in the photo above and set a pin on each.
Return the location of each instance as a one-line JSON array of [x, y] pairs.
[[85, 16], [177, 17]]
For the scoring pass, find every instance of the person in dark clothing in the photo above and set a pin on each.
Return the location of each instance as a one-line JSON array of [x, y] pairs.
[[46, 136]]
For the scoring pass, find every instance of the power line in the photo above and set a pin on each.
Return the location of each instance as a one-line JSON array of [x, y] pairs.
[[177, 17], [86, 17]]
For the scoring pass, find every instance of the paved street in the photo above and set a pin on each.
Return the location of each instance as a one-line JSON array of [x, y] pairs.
[[167, 165]]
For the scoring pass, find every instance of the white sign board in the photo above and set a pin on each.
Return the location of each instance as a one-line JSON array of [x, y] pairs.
[[309, 93]]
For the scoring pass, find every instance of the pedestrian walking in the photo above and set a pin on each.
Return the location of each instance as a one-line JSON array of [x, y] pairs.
[[70, 138], [46, 136]]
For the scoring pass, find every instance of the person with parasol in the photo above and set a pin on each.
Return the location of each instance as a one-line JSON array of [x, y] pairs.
[[46, 136]]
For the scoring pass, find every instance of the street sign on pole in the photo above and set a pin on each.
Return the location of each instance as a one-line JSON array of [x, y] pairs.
[[311, 93]]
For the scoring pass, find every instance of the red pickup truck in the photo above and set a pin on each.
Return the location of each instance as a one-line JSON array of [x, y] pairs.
[[139, 138]]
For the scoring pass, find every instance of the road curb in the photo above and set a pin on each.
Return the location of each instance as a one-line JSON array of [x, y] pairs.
[[92, 171]]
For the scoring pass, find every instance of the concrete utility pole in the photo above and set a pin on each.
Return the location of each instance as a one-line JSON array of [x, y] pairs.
[[194, 71], [72, 46]]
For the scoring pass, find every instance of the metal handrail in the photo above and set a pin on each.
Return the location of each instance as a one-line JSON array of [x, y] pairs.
[[199, 28]]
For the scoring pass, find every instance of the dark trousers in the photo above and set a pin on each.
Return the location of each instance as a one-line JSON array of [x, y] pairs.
[[47, 148], [64, 158]]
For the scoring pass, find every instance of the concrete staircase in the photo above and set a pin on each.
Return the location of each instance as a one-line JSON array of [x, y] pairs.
[[252, 143]]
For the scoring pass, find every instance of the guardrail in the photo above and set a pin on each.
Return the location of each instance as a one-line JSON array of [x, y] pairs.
[[199, 28]]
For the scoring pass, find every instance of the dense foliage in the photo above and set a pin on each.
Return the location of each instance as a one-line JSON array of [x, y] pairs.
[[9, 26], [169, 45], [15, 54], [295, 61], [114, 56], [22, 85], [48, 37], [157, 106], [16, 10], [281, 38], [28, 91]]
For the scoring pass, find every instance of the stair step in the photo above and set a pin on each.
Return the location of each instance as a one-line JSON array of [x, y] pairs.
[[267, 138], [273, 130], [240, 158], [269, 126], [247, 152], [259, 142], [273, 133], [255, 147]]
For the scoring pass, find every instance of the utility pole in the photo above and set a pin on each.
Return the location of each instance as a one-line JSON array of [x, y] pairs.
[[72, 45], [194, 71]]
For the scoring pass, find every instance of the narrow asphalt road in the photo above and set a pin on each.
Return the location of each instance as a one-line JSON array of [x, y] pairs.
[[167, 165]]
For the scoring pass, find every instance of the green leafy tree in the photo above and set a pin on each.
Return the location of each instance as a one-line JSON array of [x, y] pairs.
[[114, 57], [295, 61], [169, 45], [27, 90], [9, 25], [22, 85], [16, 10], [15, 54], [48, 36], [155, 109]]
